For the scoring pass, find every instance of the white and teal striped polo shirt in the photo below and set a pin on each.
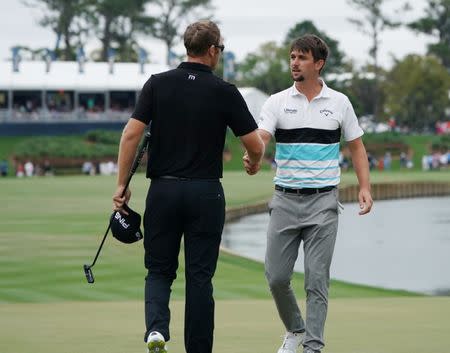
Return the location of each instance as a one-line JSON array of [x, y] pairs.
[[307, 135]]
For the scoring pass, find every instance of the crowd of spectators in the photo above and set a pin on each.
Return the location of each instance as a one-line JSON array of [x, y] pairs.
[[99, 168], [29, 169], [436, 160], [383, 162]]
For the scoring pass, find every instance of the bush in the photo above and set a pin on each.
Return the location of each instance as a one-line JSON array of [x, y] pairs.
[[384, 137], [102, 136], [65, 147]]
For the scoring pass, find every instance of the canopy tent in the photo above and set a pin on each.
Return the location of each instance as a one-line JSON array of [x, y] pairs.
[[65, 75]]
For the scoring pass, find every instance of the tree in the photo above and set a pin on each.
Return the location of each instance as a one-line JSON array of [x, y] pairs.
[[417, 92], [65, 18], [117, 23], [372, 24], [436, 23], [172, 15], [267, 70], [360, 90], [335, 61]]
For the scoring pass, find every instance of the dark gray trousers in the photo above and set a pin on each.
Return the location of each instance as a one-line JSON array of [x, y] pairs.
[[312, 219]]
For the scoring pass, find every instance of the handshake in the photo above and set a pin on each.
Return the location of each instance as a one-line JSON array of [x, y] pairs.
[[255, 147], [251, 167]]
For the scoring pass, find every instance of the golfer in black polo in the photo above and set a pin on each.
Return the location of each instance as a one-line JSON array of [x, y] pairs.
[[189, 109]]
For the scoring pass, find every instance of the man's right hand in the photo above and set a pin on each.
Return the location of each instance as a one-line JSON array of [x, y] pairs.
[[254, 152], [119, 201], [250, 168]]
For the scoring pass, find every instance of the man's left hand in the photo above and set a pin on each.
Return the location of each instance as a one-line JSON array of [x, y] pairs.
[[365, 201]]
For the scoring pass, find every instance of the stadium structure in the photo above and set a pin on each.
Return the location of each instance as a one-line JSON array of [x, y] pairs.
[[42, 98]]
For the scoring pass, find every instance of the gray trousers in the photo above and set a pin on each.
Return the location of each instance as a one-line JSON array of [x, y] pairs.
[[312, 219]]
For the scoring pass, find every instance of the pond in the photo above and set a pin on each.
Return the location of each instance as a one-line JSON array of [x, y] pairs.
[[401, 244]]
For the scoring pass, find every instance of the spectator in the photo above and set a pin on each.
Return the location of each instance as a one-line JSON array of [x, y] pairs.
[[341, 158], [443, 160], [409, 164], [38, 170], [402, 160], [409, 159], [430, 162], [88, 168], [435, 160], [108, 168], [4, 168], [343, 161], [48, 171], [372, 160], [387, 161], [20, 170], [425, 163], [29, 168]]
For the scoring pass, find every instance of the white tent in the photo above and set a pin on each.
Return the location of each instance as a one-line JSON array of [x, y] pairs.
[[254, 99], [65, 75]]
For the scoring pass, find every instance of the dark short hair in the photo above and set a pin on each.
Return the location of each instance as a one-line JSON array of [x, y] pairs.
[[199, 36], [312, 43]]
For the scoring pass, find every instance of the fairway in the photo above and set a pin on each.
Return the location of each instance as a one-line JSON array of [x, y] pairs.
[[383, 325], [52, 226]]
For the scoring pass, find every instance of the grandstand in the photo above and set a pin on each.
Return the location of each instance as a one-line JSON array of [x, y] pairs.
[[66, 91], [72, 97]]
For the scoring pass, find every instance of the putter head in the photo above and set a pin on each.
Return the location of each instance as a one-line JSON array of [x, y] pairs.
[[88, 273]]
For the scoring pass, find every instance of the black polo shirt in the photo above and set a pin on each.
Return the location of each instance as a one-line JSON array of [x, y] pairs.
[[190, 109]]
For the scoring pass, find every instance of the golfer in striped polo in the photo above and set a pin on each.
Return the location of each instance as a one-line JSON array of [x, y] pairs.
[[307, 121]]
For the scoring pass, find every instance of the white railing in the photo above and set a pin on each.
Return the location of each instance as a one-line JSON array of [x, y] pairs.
[[16, 116]]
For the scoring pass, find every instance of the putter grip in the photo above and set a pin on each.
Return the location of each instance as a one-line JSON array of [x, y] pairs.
[[88, 273], [141, 152], [137, 160]]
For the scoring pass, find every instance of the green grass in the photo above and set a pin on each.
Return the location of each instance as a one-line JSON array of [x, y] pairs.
[[52, 226], [420, 145], [367, 325], [7, 145], [397, 176]]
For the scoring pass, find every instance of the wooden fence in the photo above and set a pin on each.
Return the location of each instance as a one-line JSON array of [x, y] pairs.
[[381, 191]]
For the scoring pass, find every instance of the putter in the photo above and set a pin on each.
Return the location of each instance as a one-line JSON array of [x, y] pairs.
[[88, 268]]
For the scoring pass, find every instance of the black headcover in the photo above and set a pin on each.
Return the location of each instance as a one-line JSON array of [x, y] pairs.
[[126, 228]]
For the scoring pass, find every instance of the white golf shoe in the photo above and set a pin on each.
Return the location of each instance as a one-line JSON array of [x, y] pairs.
[[156, 343], [291, 342]]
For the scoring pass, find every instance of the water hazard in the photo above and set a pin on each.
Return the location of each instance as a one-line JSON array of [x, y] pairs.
[[402, 244]]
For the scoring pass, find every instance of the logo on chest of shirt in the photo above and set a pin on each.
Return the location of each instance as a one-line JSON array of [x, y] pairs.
[[326, 112], [290, 111], [191, 77]]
